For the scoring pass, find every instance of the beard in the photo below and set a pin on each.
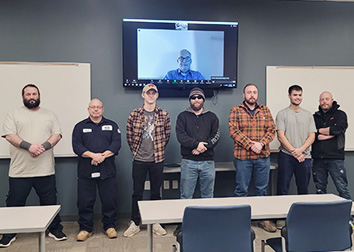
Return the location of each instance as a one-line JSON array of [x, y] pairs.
[[29, 104], [251, 101], [197, 107]]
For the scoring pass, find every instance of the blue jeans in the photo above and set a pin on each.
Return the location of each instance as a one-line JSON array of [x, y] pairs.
[[287, 166], [335, 168], [245, 169], [190, 171]]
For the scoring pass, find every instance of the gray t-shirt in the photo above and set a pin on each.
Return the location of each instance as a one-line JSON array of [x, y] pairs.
[[146, 149], [35, 127], [297, 126]]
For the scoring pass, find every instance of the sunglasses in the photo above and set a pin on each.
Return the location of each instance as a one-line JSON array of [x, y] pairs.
[[197, 97]]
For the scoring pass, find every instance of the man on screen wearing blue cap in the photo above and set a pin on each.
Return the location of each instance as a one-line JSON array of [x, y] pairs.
[[184, 71]]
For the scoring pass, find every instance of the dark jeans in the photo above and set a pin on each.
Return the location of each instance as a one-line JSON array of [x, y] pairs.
[[245, 169], [86, 198], [140, 170], [45, 187], [287, 166], [335, 168]]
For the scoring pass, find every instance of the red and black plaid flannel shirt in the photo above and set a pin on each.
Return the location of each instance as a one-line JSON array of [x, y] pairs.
[[135, 127]]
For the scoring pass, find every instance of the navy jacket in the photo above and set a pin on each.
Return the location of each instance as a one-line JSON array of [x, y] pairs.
[[337, 122], [97, 138]]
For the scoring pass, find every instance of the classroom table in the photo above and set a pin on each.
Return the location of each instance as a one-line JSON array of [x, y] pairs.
[[28, 219], [262, 207]]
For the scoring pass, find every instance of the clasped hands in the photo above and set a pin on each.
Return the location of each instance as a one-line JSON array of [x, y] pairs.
[[97, 158], [297, 153], [256, 147], [200, 149], [35, 150]]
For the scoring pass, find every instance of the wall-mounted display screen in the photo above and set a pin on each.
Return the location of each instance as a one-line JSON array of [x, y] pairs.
[[179, 54]]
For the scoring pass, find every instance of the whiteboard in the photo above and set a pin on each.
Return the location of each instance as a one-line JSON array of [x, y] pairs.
[[64, 87], [339, 80]]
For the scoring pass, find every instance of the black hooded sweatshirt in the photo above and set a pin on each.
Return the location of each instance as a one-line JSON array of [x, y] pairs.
[[337, 122]]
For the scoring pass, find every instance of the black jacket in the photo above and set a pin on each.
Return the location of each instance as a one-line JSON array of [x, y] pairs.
[[337, 122], [192, 129]]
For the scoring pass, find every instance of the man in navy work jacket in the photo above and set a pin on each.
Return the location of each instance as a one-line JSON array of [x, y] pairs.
[[328, 148], [96, 140]]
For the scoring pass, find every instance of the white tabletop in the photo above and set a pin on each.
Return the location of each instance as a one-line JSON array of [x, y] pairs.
[[265, 207], [26, 219]]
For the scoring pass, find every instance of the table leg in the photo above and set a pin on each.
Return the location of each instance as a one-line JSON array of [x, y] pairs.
[[42, 242], [272, 182], [150, 238]]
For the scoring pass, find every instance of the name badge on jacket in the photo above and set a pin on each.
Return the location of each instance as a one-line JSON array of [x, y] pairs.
[[87, 130], [107, 127]]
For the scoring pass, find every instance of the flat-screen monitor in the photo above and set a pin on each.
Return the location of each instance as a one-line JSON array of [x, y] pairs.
[[176, 54]]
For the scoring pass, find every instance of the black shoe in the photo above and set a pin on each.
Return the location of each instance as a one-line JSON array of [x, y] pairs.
[[58, 235], [7, 239], [177, 230]]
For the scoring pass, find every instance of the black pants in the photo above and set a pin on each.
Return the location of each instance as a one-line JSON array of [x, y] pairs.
[[86, 198], [45, 187], [140, 170]]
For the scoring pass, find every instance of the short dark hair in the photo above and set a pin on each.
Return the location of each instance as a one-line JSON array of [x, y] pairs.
[[294, 87], [30, 85], [247, 85]]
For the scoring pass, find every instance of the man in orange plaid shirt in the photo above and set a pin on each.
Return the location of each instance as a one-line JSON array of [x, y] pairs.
[[252, 128]]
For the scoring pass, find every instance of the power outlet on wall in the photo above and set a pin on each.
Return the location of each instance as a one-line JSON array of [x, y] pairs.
[[166, 184], [174, 184]]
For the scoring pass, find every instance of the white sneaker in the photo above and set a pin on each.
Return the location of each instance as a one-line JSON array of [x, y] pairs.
[[158, 230], [132, 230]]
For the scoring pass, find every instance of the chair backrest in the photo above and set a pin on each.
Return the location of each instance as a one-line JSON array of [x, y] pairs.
[[321, 226], [217, 228]]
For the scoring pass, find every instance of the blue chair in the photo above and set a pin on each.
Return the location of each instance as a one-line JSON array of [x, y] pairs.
[[216, 228], [310, 226]]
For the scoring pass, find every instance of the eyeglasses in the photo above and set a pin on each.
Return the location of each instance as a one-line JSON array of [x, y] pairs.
[[197, 97], [96, 107], [184, 59]]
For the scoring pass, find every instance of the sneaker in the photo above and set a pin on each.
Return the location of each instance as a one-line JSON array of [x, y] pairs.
[[132, 230], [83, 235], [158, 230], [58, 235], [280, 224], [7, 239], [267, 226], [111, 233]]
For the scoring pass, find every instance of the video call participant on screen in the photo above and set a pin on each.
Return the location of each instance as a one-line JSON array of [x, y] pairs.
[[328, 148], [184, 71], [148, 132], [32, 132], [296, 133], [252, 128], [96, 140]]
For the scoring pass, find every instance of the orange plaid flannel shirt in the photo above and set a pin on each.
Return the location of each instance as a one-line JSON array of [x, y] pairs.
[[245, 128]]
